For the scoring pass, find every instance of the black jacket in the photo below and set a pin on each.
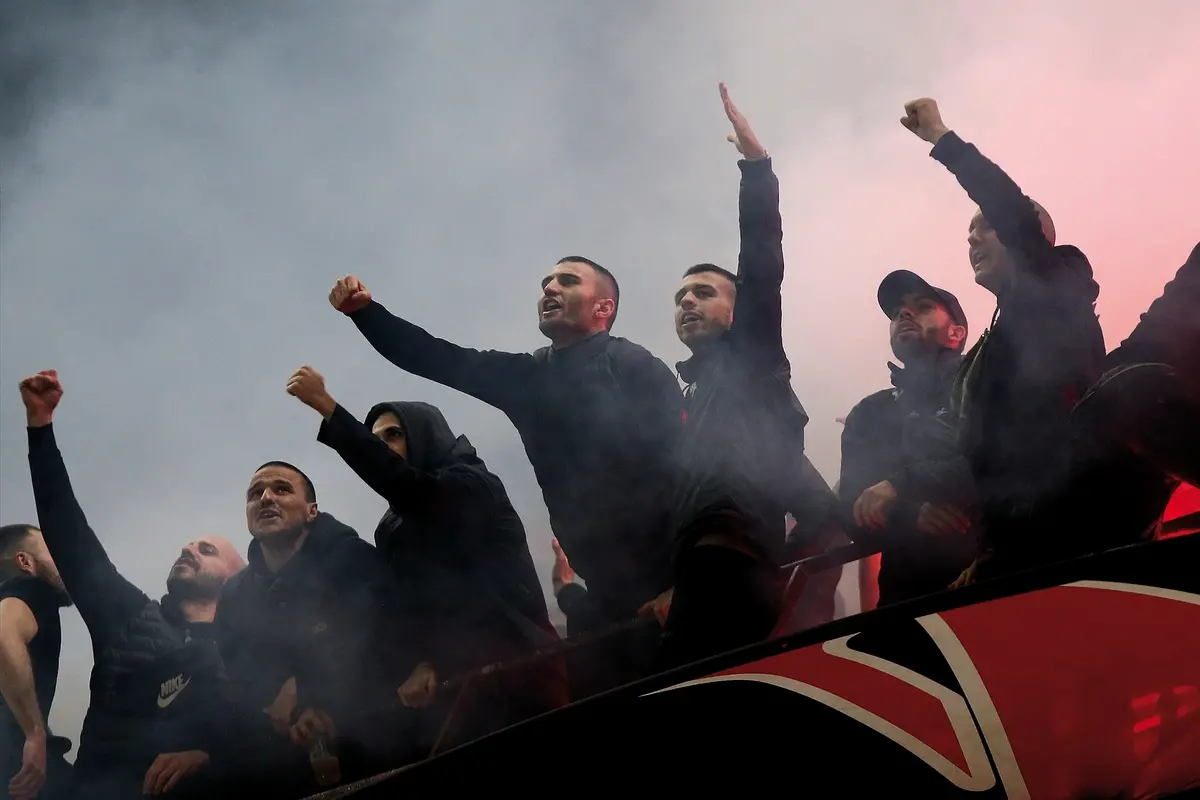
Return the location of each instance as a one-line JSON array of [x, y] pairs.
[[1014, 395], [452, 538], [157, 685], [599, 421], [330, 618], [741, 460], [902, 435], [1169, 331]]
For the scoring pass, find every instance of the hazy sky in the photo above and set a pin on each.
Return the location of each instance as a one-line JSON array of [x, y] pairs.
[[181, 188]]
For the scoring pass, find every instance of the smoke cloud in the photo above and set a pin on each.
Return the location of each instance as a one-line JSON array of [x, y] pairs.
[[183, 183]]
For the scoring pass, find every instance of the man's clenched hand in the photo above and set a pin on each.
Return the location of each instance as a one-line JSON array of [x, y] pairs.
[[872, 506], [923, 118], [307, 385], [743, 137], [349, 295], [170, 768], [420, 688], [312, 724], [41, 394]]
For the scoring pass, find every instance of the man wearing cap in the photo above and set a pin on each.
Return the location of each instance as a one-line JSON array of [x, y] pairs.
[[903, 480]]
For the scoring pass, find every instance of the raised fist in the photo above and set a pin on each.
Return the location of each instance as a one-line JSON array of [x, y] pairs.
[[743, 137], [307, 385], [349, 295], [923, 118], [41, 393]]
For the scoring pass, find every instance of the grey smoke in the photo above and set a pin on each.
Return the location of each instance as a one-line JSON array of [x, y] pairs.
[[182, 183]]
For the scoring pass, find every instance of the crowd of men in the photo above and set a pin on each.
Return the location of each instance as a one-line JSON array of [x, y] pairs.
[[319, 658]]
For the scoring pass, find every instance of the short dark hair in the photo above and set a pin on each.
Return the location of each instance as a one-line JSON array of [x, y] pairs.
[[698, 268], [310, 491], [12, 540], [603, 273]]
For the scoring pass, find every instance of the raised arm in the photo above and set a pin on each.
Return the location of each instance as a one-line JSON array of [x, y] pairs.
[[105, 599], [1007, 210], [758, 313], [405, 487], [497, 378]]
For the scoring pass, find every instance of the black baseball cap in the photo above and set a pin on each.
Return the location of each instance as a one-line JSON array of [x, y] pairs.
[[896, 285]]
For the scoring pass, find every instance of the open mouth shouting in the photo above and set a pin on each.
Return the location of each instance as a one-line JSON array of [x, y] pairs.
[[550, 305], [268, 514], [688, 317]]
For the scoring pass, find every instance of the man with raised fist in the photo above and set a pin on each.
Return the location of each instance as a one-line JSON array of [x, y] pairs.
[[159, 711], [1013, 396], [457, 550], [599, 417]]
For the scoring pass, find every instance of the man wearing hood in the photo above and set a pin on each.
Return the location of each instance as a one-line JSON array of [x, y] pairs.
[[31, 597], [158, 713], [1013, 396], [458, 552], [313, 640], [599, 417], [902, 479]]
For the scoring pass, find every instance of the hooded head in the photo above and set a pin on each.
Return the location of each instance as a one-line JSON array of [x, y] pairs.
[[418, 433]]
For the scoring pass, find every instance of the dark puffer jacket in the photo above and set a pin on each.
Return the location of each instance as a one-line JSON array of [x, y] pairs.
[[158, 685]]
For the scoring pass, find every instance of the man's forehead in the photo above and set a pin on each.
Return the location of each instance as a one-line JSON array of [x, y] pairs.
[[576, 268], [387, 419], [275, 473], [916, 298], [219, 542], [706, 279]]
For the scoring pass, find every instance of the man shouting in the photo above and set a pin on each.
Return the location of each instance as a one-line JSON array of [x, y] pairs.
[[599, 417], [158, 714]]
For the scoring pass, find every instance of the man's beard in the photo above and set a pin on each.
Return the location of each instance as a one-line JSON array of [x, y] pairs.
[[199, 586], [55, 582]]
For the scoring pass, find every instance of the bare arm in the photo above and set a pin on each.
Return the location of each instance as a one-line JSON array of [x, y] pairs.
[[17, 628]]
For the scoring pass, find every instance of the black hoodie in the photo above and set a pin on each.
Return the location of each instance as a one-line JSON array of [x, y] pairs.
[[451, 536], [329, 618]]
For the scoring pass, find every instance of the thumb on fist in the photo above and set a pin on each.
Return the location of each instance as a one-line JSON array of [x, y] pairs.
[[923, 118], [349, 295]]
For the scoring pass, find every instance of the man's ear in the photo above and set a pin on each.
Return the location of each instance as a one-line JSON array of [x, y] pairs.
[[956, 334], [605, 308], [25, 562], [313, 511]]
